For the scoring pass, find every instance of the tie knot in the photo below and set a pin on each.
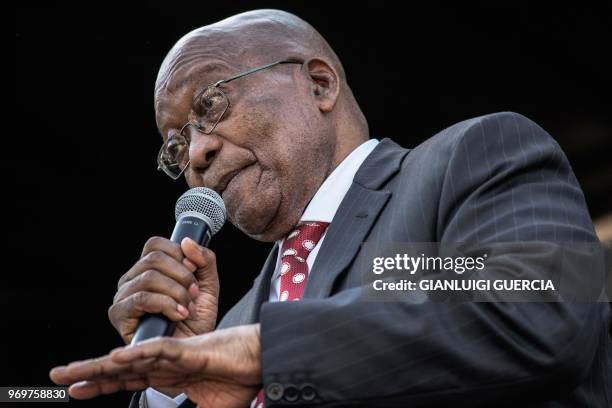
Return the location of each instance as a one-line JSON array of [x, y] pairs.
[[303, 239]]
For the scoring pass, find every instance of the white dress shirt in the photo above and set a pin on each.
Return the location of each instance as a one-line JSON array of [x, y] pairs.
[[325, 203], [322, 207]]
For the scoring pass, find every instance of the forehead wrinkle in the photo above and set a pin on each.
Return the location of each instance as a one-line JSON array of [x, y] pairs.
[[199, 46], [189, 69]]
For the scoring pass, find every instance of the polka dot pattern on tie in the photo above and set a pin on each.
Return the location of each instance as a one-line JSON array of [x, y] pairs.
[[296, 248]]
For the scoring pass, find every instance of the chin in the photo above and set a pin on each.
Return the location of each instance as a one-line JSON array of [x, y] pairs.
[[254, 217], [253, 228], [269, 235], [264, 223], [261, 212]]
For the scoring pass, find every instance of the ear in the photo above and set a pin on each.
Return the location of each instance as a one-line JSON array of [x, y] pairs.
[[325, 85]]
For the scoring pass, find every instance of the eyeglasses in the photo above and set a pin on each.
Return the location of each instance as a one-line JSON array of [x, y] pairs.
[[208, 108]]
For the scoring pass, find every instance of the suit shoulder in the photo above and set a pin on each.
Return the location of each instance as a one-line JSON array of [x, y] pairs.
[[491, 127]]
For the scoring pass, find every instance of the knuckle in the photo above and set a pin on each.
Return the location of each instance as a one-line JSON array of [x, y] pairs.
[[152, 242], [111, 313], [167, 342], [114, 315], [154, 258], [123, 279], [116, 298], [185, 278], [141, 298], [149, 275]]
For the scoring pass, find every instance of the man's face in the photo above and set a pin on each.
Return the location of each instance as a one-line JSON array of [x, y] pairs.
[[268, 154]]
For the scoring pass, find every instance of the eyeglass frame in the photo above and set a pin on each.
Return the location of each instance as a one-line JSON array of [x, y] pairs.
[[198, 127]]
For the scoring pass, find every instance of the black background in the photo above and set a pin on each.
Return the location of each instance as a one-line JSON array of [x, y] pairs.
[[83, 190]]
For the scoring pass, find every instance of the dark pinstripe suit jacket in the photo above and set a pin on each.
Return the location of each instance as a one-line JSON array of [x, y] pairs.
[[495, 178]]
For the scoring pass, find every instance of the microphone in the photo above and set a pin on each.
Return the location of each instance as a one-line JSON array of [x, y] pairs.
[[200, 214]]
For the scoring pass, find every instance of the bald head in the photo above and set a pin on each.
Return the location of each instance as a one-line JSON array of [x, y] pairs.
[[250, 39], [282, 129]]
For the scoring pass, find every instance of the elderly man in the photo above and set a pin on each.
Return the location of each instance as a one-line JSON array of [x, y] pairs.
[[257, 107]]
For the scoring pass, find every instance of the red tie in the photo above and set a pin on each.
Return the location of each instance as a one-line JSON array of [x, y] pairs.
[[294, 269]]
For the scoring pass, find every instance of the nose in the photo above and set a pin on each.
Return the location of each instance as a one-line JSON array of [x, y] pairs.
[[203, 149]]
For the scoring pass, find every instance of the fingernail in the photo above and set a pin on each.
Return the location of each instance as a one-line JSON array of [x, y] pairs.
[[182, 310], [194, 291]]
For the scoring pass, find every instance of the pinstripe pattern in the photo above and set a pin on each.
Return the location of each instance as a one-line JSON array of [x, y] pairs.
[[496, 178]]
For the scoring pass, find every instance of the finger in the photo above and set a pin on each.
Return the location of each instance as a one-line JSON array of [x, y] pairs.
[[84, 390], [90, 389], [189, 265], [154, 281], [86, 370], [200, 256], [135, 384], [162, 262], [65, 375], [164, 245], [140, 303], [158, 348], [59, 375], [144, 366]]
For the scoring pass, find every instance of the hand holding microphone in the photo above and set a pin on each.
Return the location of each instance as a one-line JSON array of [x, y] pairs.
[[175, 283], [174, 286]]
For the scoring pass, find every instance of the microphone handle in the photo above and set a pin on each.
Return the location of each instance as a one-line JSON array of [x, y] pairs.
[[189, 225]]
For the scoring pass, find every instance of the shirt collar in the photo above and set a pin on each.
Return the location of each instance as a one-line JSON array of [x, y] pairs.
[[328, 197]]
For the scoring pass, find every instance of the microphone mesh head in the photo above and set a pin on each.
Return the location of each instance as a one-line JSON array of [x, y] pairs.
[[204, 201]]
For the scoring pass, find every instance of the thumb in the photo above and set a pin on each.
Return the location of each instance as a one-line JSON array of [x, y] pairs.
[[197, 255], [203, 262]]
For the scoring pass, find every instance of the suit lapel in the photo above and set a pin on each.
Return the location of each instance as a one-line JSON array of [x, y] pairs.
[[353, 220], [261, 288], [355, 217]]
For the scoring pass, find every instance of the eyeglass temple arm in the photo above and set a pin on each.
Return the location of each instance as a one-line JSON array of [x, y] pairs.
[[252, 70]]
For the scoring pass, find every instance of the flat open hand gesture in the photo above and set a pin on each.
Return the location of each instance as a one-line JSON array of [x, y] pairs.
[[217, 369]]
